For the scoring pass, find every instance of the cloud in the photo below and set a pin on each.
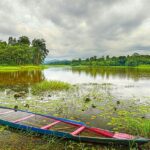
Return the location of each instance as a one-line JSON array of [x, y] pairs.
[[80, 28]]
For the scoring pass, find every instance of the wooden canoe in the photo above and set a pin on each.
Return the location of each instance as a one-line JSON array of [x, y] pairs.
[[61, 127]]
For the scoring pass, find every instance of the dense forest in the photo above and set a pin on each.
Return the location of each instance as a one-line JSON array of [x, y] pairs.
[[133, 60], [22, 52]]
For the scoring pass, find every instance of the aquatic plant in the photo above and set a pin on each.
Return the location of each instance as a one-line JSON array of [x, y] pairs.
[[130, 115], [50, 86]]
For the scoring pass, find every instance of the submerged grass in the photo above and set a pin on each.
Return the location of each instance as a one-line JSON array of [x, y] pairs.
[[50, 86]]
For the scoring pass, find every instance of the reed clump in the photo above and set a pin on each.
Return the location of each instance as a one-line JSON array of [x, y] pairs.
[[46, 86]]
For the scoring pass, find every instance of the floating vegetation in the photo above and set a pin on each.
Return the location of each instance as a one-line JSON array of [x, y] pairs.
[[130, 117], [93, 106], [19, 94], [87, 99], [88, 103], [2, 128]]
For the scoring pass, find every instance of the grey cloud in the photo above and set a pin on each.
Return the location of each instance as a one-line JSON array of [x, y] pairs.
[[79, 28]]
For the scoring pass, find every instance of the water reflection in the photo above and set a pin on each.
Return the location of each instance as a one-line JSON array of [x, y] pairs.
[[128, 80], [107, 72], [20, 77], [96, 75], [133, 81]]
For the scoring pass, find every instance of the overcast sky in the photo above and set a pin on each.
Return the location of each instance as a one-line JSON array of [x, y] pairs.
[[80, 28]]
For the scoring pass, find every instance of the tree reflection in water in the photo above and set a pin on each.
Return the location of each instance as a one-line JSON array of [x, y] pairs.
[[20, 77], [106, 72]]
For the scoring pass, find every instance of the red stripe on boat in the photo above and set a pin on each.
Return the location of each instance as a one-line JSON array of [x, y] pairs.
[[123, 136], [102, 132], [24, 118], [7, 112], [50, 125], [76, 132]]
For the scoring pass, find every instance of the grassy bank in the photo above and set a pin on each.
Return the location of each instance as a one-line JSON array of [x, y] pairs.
[[21, 68], [39, 67], [143, 67], [134, 67]]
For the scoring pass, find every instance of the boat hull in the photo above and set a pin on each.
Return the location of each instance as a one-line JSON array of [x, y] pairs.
[[66, 135]]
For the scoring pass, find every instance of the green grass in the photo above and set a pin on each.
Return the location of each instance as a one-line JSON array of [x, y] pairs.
[[139, 67], [139, 127], [50, 86], [132, 120], [31, 141], [21, 68], [143, 67]]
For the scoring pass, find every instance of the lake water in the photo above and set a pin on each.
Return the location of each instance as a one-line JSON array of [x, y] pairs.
[[127, 82], [98, 84]]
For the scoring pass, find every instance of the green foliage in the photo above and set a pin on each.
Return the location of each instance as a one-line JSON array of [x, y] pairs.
[[133, 60], [49, 86], [24, 40], [21, 52], [59, 62]]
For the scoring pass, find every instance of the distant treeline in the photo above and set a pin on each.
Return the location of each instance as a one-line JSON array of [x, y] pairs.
[[21, 51], [59, 62], [133, 60]]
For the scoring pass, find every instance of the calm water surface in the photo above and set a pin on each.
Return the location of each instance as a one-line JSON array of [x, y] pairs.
[[127, 82]]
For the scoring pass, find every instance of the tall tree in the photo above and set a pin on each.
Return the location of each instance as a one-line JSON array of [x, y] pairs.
[[40, 50]]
